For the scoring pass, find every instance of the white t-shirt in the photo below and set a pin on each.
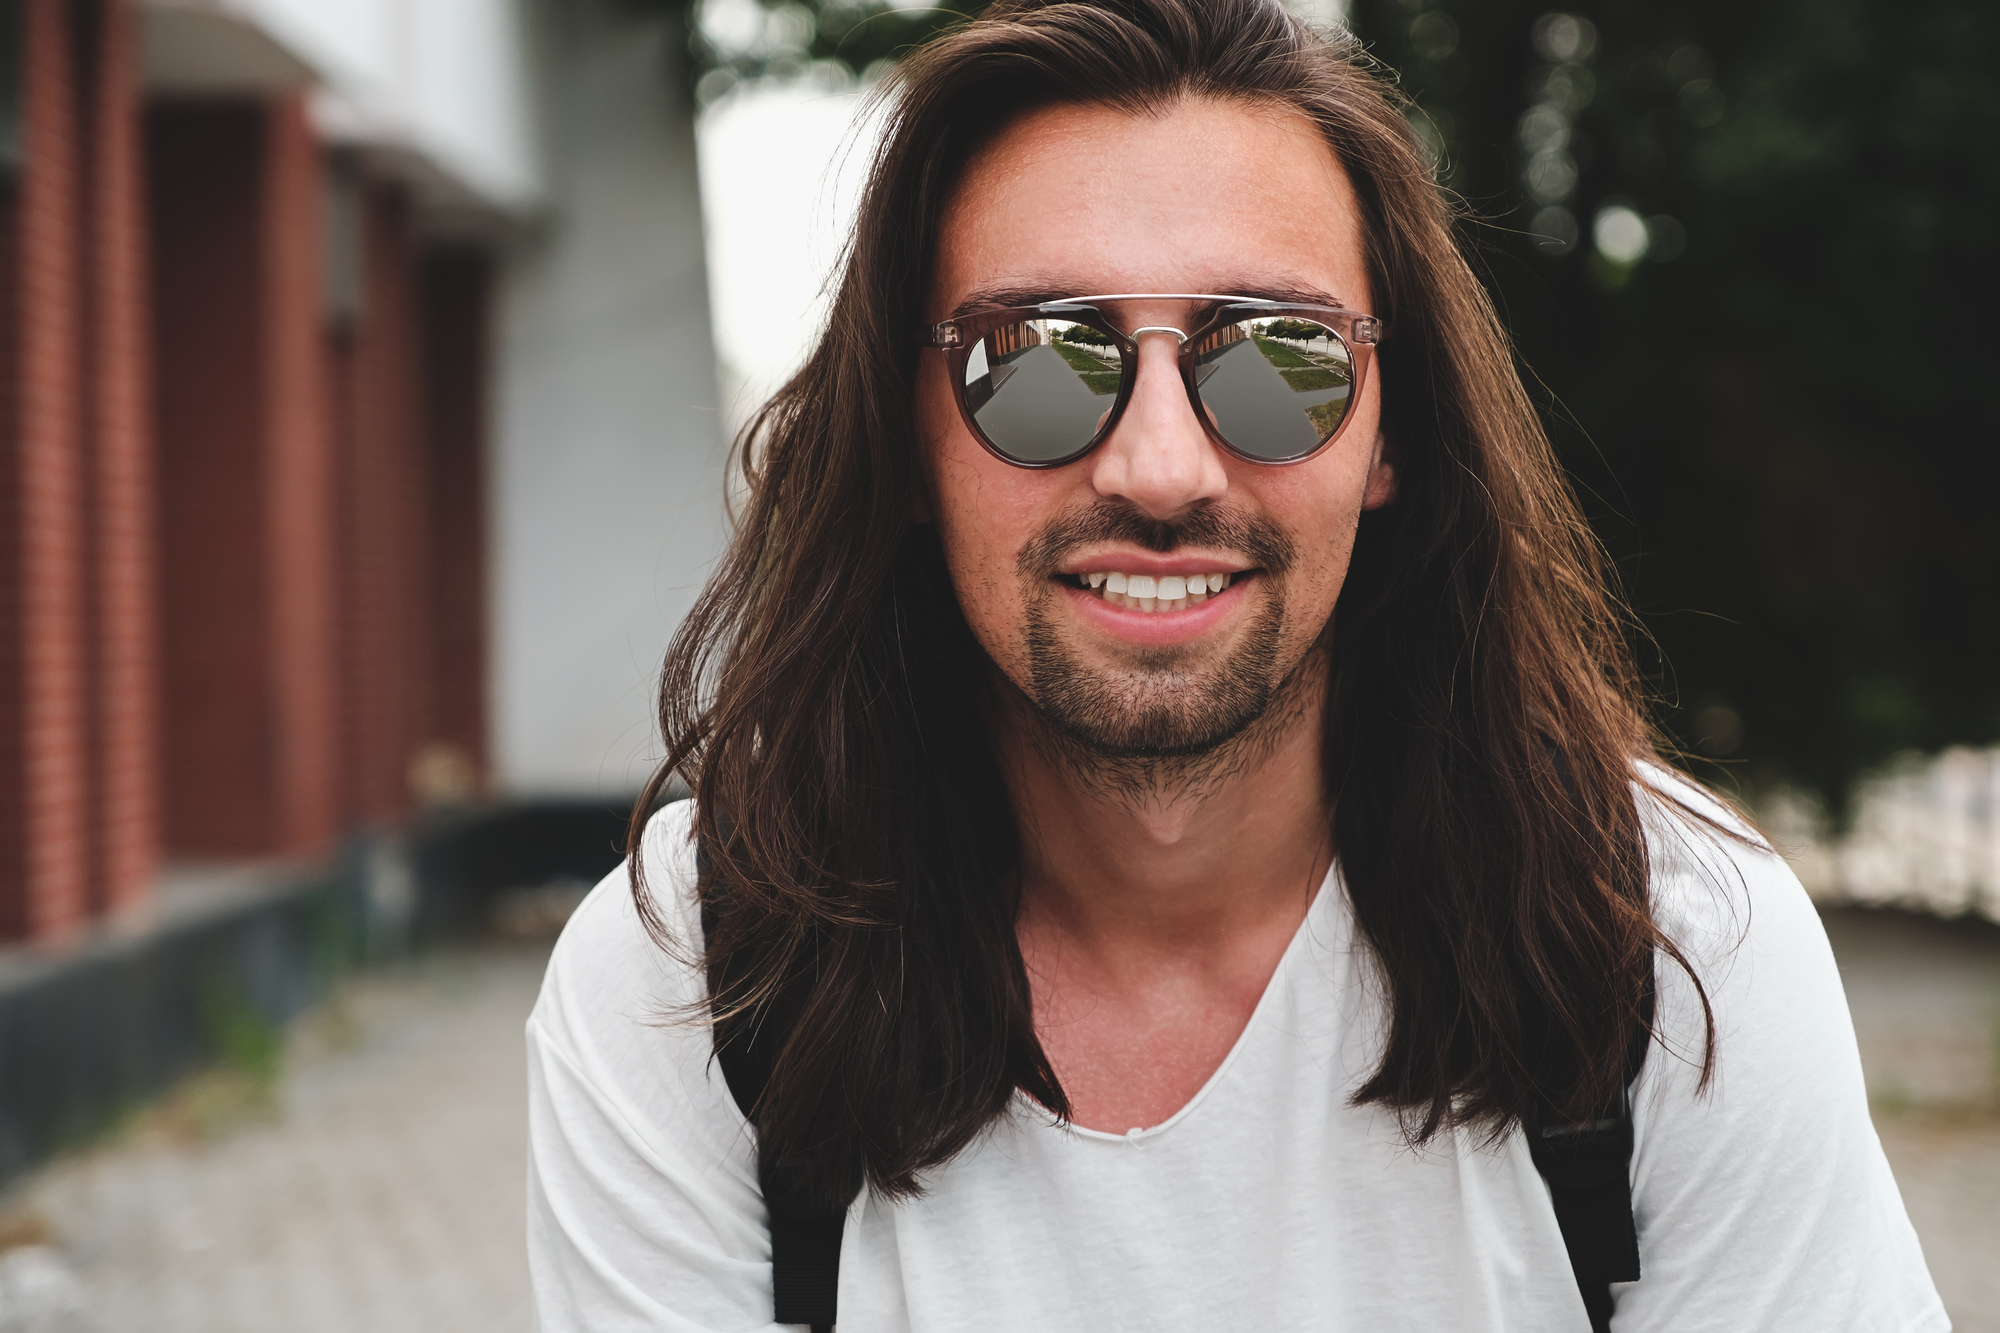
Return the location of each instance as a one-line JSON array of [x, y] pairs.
[[1267, 1202]]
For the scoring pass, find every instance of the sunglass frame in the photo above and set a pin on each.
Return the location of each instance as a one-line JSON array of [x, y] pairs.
[[1358, 331]]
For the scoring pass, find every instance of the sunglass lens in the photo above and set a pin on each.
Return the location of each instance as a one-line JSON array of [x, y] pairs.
[[1275, 388], [1040, 389]]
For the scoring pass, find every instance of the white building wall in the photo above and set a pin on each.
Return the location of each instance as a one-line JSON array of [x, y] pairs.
[[608, 452], [564, 126], [444, 84], [1924, 835]]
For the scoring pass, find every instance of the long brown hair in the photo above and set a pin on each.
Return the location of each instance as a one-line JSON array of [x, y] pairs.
[[1484, 720]]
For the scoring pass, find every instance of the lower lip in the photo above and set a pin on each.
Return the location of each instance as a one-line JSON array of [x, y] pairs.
[[1158, 627]]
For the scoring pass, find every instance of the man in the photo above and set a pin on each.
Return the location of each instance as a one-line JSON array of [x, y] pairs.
[[1174, 821]]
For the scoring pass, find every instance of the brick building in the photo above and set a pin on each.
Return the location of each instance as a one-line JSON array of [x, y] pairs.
[[304, 347]]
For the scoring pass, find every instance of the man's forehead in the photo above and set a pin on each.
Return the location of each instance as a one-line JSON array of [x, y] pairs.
[[1211, 197]]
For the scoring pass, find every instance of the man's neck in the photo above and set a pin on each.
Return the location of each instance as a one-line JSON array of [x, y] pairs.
[[1130, 857]]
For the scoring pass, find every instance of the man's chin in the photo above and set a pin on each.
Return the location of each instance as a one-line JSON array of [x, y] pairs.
[[1150, 741], [1108, 723], [1159, 704]]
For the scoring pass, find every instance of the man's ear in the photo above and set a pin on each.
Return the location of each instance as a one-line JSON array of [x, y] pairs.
[[1381, 475]]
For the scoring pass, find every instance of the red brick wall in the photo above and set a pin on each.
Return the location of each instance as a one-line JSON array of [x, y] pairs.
[[244, 479], [410, 377], [44, 791], [238, 598], [385, 645], [301, 498], [13, 717], [457, 317], [202, 176], [119, 481]]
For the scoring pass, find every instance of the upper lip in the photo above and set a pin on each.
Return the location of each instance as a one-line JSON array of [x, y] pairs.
[[1158, 566]]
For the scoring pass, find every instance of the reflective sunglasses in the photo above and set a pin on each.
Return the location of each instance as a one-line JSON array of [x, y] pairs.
[[1043, 385]]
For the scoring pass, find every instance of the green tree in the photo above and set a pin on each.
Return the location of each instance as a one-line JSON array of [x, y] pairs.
[[785, 39], [1746, 252], [1303, 330], [1084, 335]]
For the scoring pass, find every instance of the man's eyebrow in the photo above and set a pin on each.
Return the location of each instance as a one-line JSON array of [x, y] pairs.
[[1006, 298], [1294, 295], [1016, 297]]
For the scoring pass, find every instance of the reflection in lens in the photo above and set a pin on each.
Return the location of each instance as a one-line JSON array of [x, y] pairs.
[[1039, 389], [1275, 388]]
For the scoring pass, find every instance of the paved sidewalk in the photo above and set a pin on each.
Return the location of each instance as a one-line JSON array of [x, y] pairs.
[[1949, 1170], [1925, 995], [384, 1193]]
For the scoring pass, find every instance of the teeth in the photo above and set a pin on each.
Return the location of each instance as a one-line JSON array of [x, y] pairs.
[[1145, 592]]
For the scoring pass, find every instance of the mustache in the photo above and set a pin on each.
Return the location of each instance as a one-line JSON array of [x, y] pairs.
[[1263, 541]]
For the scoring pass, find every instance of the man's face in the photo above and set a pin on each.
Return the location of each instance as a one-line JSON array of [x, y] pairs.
[[1222, 197]]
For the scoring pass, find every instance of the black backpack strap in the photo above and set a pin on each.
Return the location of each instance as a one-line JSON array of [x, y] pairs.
[[1589, 1170], [805, 1233], [805, 1269]]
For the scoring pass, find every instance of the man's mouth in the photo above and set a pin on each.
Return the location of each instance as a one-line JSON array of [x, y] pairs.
[[1147, 592]]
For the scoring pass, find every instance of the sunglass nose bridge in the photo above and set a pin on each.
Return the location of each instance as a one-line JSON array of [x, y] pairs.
[[1179, 337]]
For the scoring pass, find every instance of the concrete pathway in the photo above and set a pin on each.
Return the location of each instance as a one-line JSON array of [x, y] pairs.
[[1925, 995], [383, 1192]]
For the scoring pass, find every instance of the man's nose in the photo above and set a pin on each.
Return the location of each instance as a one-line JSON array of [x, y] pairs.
[[1159, 458]]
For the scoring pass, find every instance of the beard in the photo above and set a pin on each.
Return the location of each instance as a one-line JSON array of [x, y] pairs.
[[1167, 709]]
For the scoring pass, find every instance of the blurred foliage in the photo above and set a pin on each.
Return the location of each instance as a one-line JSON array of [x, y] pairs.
[[242, 1037], [734, 42], [1748, 253], [1085, 335], [1302, 330]]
